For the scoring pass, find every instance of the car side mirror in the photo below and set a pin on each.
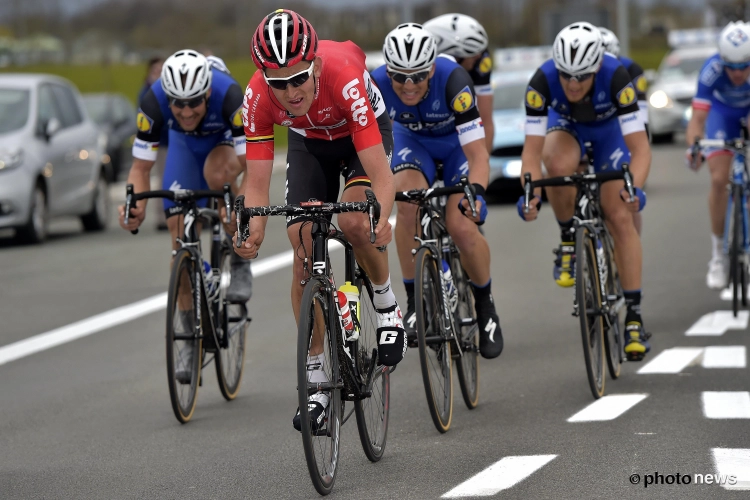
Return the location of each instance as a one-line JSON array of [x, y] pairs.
[[52, 127], [650, 75]]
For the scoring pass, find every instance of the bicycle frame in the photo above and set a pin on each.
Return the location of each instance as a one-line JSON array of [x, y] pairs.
[[741, 178]]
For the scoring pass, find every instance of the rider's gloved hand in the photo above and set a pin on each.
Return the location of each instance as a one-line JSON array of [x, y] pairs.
[[639, 200], [480, 206], [533, 208], [693, 159]]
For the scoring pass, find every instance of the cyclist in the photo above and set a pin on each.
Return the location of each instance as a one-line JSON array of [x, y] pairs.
[[432, 103], [322, 91], [464, 39], [584, 95], [720, 105], [202, 108]]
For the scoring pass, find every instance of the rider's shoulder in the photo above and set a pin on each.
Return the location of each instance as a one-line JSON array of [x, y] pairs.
[[711, 70]]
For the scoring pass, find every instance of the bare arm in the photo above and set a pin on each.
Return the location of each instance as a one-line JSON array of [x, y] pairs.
[[378, 170], [140, 177], [531, 159], [696, 126], [257, 181], [479, 162], [640, 156], [484, 104]]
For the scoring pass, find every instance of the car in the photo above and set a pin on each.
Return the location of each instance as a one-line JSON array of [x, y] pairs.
[[115, 116], [670, 95], [50, 157]]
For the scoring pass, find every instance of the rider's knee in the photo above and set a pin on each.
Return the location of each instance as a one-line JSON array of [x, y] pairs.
[[463, 231], [215, 175], [352, 225], [620, 221]]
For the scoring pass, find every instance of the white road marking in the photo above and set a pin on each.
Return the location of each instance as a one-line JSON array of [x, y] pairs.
[[672, 360], [500, 476], [608, 408], [123, 314], [727, 294], [717, 323], [726, 404], [733, 462], [731, 356]]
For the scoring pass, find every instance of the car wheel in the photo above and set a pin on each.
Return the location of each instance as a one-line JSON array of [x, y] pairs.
[[35, 230], [97, 219], [663, 138]]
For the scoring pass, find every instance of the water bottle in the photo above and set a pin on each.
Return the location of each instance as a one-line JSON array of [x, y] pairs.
[[352, 298], [344, 313], [450, 287]]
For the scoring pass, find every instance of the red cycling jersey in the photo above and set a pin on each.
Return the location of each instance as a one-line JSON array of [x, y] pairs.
[[347, 103]]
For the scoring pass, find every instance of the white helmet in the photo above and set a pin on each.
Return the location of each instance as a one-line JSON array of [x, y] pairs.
[[458, 35], [409, 47], [578, 49], [734, 43], [186, 74], [610, 41]]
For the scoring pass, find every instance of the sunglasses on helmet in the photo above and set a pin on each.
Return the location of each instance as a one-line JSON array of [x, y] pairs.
[[578, 78], [295, 80], [736, 66], [415, 78], [191, 103]]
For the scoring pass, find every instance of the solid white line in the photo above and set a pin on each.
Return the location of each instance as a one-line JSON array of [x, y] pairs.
[[500, 476], [730, 356], [717, 323], [726, 404], [608, 408], [672, 360], [120, 315], [733, 462]]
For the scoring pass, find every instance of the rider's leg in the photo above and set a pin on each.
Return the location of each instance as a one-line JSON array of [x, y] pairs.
[[719, 165]]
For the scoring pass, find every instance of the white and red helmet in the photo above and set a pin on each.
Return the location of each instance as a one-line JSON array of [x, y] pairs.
[[283, 38]]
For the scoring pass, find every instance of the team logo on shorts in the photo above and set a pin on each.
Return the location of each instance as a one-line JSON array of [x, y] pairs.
[[485, 65], [626, 97], [641, 84], [534, 99], [143, 122], [463, 100]]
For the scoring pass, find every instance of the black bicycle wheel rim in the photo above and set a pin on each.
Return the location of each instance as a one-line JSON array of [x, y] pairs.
[[230, 358], [180, 307], [321, 447], [734, 249], [613, 338], [468, 364], [589, 299], [373, 412], [434, 359]]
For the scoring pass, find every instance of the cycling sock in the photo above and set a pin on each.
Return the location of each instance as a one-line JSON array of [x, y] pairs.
[[633, 303], [316, 368], [717, 247], [409, 286], [383, 295], [483, 294], [565, 227]]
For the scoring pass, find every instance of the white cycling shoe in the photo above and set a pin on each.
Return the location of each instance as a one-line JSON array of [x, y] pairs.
[[716, 279]]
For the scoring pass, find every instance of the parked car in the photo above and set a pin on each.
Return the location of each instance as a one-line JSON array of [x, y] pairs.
[[115, 116], [50, 157]]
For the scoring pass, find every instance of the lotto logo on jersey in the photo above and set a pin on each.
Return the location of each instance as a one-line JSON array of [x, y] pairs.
[[485, 65], [534, 99], [463, 100], [143, 122], [626, 97], [737, 37], [641, 84], [359, 106]]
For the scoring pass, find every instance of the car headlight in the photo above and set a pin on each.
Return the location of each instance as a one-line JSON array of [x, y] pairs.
[[660, 99], [10, 158], [513, 168]]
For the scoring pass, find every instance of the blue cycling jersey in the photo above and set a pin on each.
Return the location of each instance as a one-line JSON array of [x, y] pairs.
[[716, 89]]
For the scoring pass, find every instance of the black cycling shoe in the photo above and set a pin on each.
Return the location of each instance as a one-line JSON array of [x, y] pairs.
[[317, 405], [490, 333], [410, 326]]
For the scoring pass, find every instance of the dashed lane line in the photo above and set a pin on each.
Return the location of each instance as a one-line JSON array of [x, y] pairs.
[[499, 476], [608, 408]]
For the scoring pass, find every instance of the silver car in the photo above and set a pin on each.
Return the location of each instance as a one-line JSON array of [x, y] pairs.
[[50, 157], [670, 96]]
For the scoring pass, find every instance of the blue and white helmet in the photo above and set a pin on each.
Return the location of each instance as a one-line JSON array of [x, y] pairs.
[[734, 43], [578, 49], [610, 41]]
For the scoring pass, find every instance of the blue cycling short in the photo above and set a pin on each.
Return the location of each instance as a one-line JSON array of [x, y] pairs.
[[419, 152], [186, 158], [723, 122], [610, 150]]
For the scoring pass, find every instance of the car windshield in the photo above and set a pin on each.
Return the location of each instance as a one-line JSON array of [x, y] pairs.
[[14, 109], [97, 108], [678, 67], [509, 95]]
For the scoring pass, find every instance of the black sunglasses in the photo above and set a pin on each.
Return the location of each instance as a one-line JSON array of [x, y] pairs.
[[295, 80], [414, 77], [191, 103], [578, 78]]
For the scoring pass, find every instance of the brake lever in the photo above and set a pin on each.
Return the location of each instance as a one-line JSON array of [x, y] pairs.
[[526, 192], [228, 203], [239, 208], [628, 178], [373, 213], [470, 194], [128, 204]]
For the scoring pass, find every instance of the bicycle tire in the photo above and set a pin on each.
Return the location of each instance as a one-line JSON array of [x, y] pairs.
[[589, 299], [613, 340], [230, 360], [468, 334], [734, 247], [373, 412], [429, 309], [316, 305], [182, 283]]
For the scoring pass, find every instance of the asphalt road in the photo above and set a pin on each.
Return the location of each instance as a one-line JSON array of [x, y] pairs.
[[91, 418]]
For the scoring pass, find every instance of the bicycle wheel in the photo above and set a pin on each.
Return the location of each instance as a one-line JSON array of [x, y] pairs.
[[613, 339], [466, 323], [372, 412], [734, 245], [434, 348], [230, 358], [321, 445], [589, 299], [184, 347]]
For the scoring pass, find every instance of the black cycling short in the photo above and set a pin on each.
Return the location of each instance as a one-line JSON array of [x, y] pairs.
[[315, 167]]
